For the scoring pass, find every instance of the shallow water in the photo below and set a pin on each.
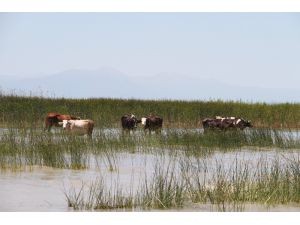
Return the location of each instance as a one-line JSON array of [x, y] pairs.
[[43, 188]]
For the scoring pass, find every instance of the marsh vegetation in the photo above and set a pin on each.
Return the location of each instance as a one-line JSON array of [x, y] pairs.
[[31, 111], [183, 168], [188, 182]]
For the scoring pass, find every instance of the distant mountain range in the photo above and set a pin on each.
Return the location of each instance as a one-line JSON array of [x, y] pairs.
[[110, 83]]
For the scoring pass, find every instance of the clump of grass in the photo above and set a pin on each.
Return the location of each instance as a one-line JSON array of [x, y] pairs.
[[98, 197], [111, 160], [75, 199], [163, 191], [266, 183], [114, 198]]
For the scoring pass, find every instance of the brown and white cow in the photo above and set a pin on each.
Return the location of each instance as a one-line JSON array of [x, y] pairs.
[[224, 123], [78, 126], [53, 119], [152, 123], [129, 122]]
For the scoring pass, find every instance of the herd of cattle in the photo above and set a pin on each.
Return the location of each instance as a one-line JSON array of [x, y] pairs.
[[130, 123]]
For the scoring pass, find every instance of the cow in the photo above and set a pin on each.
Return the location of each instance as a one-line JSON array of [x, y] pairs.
[[152, 123], [224, 123], [53, 119], [78, 126], [129, 122]]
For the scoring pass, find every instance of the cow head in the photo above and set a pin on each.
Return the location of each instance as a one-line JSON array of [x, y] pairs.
[[134, 120], [143, 121], [66, 124], [248, 123], [244, 123]]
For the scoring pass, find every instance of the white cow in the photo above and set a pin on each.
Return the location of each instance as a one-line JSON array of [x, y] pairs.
[[79, 126]]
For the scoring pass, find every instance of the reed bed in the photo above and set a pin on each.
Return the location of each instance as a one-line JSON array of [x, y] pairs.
[[161, 190], [225, 188], [266, 182], [28, 147], [30, 111]]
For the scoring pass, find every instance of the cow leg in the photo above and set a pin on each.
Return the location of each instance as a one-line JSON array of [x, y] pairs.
[[89, 133], [47, 127], [47, 124], [207, 130], [158, 131], [90, 129], [125, 131], [145, 131]]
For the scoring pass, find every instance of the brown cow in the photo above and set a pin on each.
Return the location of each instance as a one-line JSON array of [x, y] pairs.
[[152, 123], [53, 119]]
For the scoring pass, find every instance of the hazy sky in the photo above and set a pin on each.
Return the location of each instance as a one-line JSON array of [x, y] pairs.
[[259, 49]]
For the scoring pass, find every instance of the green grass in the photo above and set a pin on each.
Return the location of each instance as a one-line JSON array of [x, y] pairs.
[[30, 111]]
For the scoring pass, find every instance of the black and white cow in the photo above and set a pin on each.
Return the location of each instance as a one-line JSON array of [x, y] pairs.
[[224, 123], [152, 123], [129, 122]]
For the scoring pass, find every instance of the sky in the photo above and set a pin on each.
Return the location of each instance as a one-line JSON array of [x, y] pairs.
[[245, 49]]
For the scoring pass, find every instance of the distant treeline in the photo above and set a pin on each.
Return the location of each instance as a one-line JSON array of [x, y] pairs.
[[30, 111]]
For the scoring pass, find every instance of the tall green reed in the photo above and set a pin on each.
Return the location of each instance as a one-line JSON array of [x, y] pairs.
[[31, 111]]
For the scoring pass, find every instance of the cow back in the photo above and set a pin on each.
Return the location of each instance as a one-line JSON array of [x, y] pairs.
[[225, 123], [154, 122]]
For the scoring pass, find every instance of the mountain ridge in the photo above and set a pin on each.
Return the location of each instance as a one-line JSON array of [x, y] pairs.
[[110, 83]]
